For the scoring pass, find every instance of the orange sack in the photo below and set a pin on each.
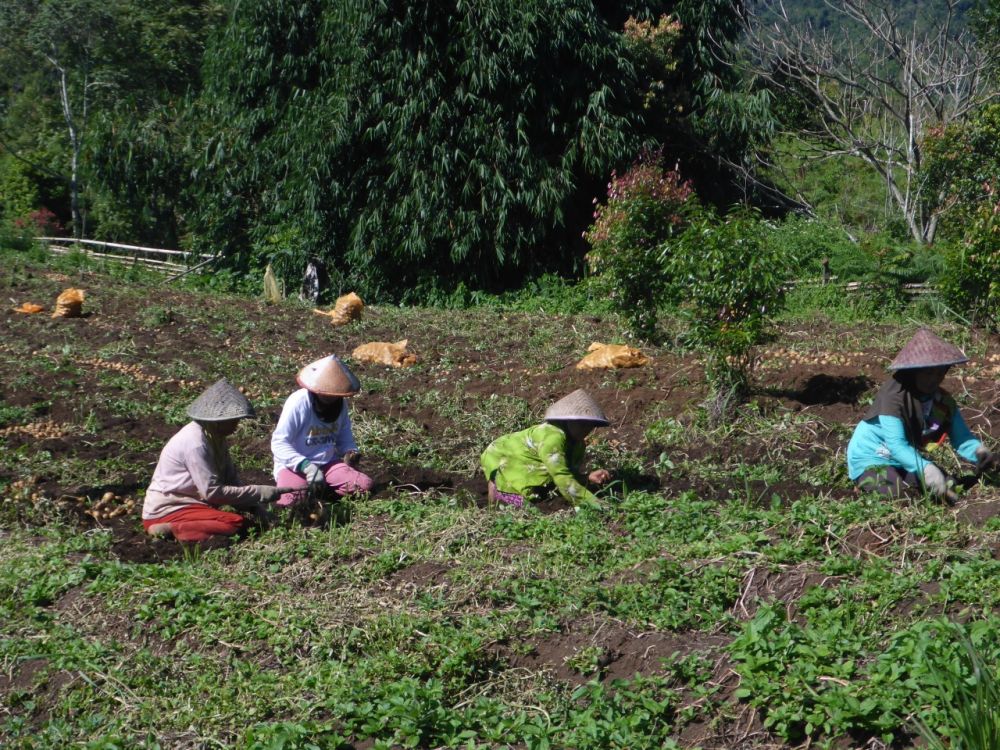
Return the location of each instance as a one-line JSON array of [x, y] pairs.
[[69, 304], [345, 309], [383, 353], [611, 357], [28, 308]]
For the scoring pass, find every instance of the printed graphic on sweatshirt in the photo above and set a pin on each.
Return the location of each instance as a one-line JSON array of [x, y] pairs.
[[321, 436]]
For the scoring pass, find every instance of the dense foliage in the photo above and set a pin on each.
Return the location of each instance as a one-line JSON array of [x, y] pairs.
[[415, 147], [728, 280], [404, 144], [645, 207], [423, 154], [82, 85], [964, 167], [971, 279]]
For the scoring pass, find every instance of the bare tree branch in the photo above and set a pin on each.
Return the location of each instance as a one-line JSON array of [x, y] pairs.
[[877, 91]]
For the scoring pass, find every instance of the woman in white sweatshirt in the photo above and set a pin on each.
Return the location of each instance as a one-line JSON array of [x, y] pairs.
[[313, 444]]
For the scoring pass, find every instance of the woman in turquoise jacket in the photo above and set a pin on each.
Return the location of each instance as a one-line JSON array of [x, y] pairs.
[[909, 420]]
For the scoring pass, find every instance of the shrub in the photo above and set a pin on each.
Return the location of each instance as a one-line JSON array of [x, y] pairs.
[[970, 280], [728, 279], [18, 193], [881, 290], [811, 241], [40, 222], [959, 159], [646, 206]]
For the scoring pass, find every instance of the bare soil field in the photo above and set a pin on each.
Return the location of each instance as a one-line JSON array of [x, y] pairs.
[[88, 402]]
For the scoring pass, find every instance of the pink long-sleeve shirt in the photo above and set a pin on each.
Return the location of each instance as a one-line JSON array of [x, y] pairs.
[[194, 470]]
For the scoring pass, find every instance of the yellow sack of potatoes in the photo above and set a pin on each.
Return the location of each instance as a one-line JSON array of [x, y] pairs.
[[69, 304], [345, 309], [611, 357], [28, 308], [383, 353]]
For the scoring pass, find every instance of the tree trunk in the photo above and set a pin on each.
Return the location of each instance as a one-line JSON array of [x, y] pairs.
[[74, 142]]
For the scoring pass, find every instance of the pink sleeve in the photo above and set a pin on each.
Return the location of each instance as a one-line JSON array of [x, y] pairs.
[[211, 483]]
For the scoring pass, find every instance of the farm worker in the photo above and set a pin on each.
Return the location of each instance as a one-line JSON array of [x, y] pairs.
[[313, 444], [195, 474], [524, 465], [910, 417]]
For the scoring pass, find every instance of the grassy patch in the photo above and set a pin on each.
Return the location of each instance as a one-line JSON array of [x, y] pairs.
[[733, 574]]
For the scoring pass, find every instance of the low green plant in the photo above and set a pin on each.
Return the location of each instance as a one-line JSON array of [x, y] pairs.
[[10, 415], [815, 243], [156, 316], [967, 694], [587, 660]]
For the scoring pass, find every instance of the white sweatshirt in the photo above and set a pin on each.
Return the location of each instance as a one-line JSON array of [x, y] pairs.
[[301, 434]]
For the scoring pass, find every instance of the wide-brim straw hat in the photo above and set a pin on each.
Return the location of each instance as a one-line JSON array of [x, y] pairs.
[[328, 377], [578, 406], [220, 402], [927, 350]]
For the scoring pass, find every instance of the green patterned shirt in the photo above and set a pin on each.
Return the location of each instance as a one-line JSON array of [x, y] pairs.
[[528, 461]]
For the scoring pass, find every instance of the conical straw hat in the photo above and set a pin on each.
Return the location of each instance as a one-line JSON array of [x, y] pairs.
[[577, 407], [328, 377], [220, 402], [927, 350]]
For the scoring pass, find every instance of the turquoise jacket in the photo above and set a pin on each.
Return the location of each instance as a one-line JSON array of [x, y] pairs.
[[881, 441]]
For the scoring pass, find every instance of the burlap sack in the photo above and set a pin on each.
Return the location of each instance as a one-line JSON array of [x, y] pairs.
[[611, 357], [69, 304], [383, 353], [272, 291], [345, 309], [28, 308]]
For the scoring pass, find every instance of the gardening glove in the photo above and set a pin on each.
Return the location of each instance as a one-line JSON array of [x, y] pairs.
[[269, 494], [986, 460], [935, 481], [352, 458], [313, 474]]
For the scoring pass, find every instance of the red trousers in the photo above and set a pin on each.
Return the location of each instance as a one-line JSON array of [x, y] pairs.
[[198, 523]]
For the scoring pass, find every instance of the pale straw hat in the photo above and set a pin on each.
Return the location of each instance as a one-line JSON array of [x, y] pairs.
[[220, 402], [576, 407], [927, 350], [328, 377]]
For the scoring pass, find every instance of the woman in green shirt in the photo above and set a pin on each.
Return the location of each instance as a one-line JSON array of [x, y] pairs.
[[525, 465]]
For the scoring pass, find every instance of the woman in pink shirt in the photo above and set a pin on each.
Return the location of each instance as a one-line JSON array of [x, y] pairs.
[[195, 474]]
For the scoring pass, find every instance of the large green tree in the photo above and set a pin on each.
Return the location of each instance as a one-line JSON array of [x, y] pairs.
[[81, 79], [414, 145]]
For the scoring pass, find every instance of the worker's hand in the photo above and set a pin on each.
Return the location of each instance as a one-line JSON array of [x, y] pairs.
[[935, 481], [269, 494], [313, 474], [599, 476], [986, 460], [352, 458]]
